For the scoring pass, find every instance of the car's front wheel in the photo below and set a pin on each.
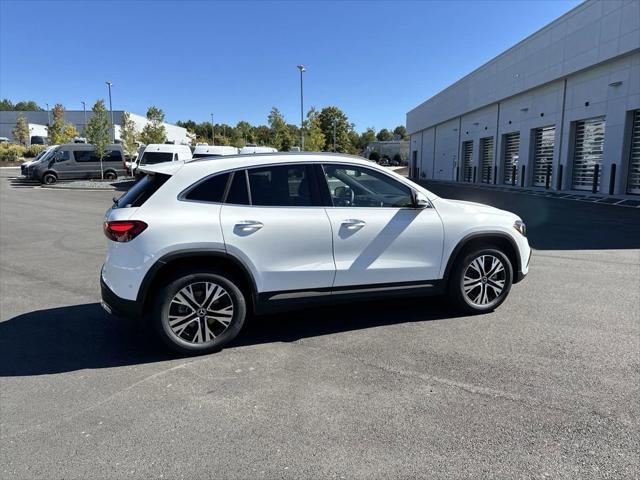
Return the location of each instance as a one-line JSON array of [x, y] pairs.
[[481, 280], [199, 312]]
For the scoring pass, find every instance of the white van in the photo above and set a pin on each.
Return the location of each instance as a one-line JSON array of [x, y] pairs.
[[160, 153], [214, 151], [250, 149]]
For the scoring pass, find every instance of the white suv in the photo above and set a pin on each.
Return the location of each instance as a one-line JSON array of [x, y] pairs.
[[199, 245]]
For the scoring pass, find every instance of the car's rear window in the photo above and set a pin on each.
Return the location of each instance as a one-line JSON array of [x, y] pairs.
[[150, 158], [141, 191], [210, 190]]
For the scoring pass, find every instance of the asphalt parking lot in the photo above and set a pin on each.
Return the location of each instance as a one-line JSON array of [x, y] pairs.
[[547, 386]]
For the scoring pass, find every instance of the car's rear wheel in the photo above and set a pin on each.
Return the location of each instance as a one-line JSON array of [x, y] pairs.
[[481, 280], [110, 175], [199, 312]]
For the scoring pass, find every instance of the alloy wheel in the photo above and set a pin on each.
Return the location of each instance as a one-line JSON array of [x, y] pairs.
[[200, 312], [484, 280]]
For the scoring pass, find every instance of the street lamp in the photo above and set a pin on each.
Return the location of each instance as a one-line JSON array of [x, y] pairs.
[[213, 134], [113, 131], [334, 134], [84, 109], [302, 70]]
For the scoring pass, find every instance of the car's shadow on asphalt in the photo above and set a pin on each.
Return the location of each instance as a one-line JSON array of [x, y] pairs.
[[80, 337]]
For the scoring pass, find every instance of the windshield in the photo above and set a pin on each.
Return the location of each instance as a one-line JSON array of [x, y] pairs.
[[151, 158]]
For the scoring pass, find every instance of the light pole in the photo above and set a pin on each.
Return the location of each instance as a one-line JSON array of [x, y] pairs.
[[302, 70], [213, 134], [113, 131], [334, 134], [84, 109]]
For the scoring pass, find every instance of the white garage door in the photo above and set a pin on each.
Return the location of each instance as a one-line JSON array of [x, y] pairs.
[[633, 185], [588, 153], [544, 141]]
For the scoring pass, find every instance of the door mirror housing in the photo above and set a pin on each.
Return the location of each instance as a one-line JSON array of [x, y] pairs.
[[420, 200]]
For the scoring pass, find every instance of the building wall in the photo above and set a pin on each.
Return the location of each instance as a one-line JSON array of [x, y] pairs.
[[577, 90], [8, 120]]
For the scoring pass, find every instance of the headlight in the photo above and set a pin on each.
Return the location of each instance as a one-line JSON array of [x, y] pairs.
[[521, 227]]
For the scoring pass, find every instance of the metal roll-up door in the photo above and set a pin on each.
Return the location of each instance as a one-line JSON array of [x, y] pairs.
[[544, 143], [486, 159], [511, 149], [587, 153], [467, 161], [633, 184]]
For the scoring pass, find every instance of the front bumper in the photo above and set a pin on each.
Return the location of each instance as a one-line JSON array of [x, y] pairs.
[[117, 306]]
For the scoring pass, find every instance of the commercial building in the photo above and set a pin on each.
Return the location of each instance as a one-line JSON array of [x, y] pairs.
[[559, 110], [8, 120]]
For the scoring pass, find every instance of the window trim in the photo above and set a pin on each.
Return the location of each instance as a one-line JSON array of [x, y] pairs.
[[316, 177], [347, 165]]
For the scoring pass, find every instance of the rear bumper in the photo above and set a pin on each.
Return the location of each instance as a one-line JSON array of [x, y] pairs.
[[118, 306]]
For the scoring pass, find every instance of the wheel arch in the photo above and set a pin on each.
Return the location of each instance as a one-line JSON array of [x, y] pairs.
[[172, 262], [495, 238]]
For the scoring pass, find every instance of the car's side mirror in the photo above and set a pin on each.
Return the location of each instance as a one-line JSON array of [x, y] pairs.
[[420, 200]]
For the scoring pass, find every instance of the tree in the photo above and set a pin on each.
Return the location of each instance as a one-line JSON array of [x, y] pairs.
[[374, 156], [21, 130], [384, 135], [154, 131], [27, 106], [57, 127], [330, 116], [69, 132], [99, 131], [368, 136], [280, 136], [401, 132], [128, 135], [315, 138]]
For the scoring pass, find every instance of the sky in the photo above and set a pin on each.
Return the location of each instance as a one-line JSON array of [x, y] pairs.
[[375, 60]]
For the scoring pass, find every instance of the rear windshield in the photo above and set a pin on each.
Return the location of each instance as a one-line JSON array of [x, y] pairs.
[[141, 190], [150, 158]]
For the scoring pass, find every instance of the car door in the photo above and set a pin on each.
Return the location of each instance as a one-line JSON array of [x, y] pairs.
[[273, 220], [379, 237], [64, 164]]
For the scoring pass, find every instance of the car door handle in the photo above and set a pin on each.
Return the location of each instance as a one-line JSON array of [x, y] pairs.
[[353, 223], [249, 225]]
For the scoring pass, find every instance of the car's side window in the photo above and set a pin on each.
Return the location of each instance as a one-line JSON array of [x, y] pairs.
[[355, 186], [210, 190], [63, 155], [282, 186], [238, 193]]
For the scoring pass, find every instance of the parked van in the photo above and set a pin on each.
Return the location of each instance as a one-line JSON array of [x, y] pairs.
[[26, 167], [77, 161], [214, 151], [250, 149], [160, 153]]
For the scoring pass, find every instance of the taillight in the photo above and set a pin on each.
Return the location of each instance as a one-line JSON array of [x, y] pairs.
[[123, 230]]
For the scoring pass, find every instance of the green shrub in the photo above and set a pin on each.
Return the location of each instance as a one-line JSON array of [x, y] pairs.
[[34, 150], [10, 152], [397, 158], [374, 156]]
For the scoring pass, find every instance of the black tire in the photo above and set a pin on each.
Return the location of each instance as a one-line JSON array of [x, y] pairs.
[[110, 175], [49, 178], [456, 290], [164, 306]]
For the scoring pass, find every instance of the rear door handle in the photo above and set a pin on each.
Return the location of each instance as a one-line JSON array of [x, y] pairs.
[[249, 225], [353, 223]]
